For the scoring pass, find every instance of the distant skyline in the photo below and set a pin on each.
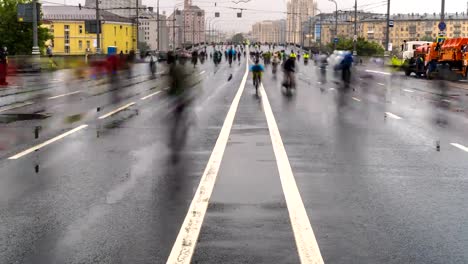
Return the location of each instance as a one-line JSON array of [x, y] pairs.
[[274, 9]]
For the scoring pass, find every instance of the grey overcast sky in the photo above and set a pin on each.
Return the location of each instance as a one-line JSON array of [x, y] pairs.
[[273, 9]]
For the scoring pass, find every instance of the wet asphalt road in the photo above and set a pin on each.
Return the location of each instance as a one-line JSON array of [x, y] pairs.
[[374, 184]]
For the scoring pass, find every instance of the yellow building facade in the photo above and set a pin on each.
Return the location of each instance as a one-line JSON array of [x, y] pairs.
[[68, 26]]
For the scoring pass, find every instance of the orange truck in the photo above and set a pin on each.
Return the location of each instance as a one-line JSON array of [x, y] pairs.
[[429, 58], [454, 54]]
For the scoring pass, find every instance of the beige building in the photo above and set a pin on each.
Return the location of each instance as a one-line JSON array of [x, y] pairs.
[[298, 11], [269, 31], [406, 27]]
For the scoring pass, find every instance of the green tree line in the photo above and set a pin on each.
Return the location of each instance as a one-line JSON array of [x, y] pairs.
[[363, 47], [18, 36]]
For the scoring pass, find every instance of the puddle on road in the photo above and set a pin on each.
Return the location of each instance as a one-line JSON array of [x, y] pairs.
[[9, 118]]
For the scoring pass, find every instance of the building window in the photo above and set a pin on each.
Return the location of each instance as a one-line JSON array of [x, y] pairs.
[[51, 29], [126, 31], [126, 46], [80, 29], [88, 44], [115, 43], [66, 27], [115, 31], [67, 49], [80, 44]]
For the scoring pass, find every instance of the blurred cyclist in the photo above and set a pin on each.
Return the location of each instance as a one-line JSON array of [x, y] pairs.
[[289, 69], [257, 70]]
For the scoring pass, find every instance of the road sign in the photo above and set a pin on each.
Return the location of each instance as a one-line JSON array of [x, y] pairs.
[[390, 47], [390, 23], [355, 38], [442, 33], [25, 12], [335, 40], [442, 26]]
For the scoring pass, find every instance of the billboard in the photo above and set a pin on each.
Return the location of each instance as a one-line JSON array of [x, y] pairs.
[[317, 31], [25, 12]]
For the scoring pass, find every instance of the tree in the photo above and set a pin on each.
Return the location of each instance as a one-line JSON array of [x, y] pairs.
[[428, 38], [143, 47], [18, 36], [363, 47], [238, 38]]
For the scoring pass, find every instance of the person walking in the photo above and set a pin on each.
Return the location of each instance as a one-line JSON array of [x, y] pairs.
[[3, 66]]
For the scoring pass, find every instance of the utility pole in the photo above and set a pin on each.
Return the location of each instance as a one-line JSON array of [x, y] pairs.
[[159, 26], [173, 32], [442, 12], [98, 29], [138, 25], [387, 37], [355, 29], [336, 22], [35, 48]]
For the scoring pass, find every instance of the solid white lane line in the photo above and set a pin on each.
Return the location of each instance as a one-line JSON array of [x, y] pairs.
[[203, 72], [306, 242], [382, 84], [393, 115], [459, 146], [356, 99], [26, 152], [117, 110], [379, 72], [150, 95], [409, 91], [184, 246], [16, 106], [62, 95]]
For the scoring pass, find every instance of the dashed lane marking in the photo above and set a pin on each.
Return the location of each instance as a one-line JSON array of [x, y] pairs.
[[306, 242], [379, 72], [150, 95], [356, 99], [332, 89], [63, 95], [409, 91], [460, 146], [184, 246], [203, 72], [393, 115], [50, 141], [16, 106], [117, 110], [382, 84]]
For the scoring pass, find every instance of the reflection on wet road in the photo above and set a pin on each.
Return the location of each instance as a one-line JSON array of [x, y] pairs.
[[116, 170]]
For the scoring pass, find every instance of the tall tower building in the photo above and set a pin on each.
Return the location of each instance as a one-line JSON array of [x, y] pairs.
[[298, 11]]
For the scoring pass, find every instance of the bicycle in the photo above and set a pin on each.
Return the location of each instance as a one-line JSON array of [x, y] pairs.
[[257, 79]]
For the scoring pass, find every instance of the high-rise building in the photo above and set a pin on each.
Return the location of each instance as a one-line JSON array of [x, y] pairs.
[[188, 27], [298, 11], [270, 31]]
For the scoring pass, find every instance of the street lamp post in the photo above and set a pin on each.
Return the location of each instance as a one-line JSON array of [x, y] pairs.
[[35, 48], [336, 22]]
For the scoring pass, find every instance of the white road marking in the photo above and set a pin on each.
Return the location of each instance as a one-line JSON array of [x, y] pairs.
[[379, 72], [382, 84], [150, 95], [446, 100], [203, 72], [184, 246], [459, 146], [16, 106], [356, 99], [306, 242], [393, 115], [62, 95], [409, 91], [331, 89], [319, 82], [117, 110], [50, 141]]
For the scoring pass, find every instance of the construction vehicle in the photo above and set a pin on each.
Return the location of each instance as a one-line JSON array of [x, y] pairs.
[[424, 61], [453, 53], [410, 47]]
